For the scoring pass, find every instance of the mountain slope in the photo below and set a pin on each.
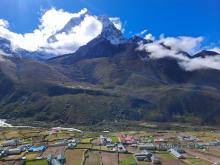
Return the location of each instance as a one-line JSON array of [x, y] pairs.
[[120, 86], [132, 73], [105, 80]]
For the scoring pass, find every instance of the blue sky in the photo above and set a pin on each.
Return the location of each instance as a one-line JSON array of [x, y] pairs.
[[171, 17]]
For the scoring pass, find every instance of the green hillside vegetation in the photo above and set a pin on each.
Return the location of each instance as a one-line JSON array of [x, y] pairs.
[[119, 87]]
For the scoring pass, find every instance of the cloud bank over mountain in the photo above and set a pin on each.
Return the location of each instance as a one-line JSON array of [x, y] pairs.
[[61, 32], [51, 22], [176, 47]]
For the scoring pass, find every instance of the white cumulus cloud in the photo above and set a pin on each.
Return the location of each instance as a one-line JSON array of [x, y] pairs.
[[149, 36], [182, 43], [143, 32], [209, 62], [51, 22], [215, 49], [4, 23], [78, 36]]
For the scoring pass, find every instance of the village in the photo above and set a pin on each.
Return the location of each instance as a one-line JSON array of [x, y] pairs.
[[68, 146]]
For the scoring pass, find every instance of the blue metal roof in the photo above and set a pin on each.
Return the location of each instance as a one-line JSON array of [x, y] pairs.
[[37, 149]]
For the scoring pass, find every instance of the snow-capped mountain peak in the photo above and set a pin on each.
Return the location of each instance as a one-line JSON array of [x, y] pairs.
[[65, 38], [110, 32]]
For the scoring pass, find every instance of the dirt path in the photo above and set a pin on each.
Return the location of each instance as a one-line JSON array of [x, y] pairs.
[[209, 158]]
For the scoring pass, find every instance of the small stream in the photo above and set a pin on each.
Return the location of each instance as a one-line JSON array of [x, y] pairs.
[[4, 124]]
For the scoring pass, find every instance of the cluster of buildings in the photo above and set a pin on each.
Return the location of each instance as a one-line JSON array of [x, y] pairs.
[[176, 153], [8, 147], [147, 156], [14, 147], [146, 146], [56, 160], [116, 147], [70, 143], [12, 142], [215, 143], [104, 140], [128, 139], [201, 145], [185, 138]]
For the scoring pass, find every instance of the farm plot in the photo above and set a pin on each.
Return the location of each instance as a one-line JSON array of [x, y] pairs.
[[96, 141], [37, 162], [86, 140], [167, 159], [9, 134], [93, 158], [58, 136], [109, 158], [29, 133], [74, 157], [33, 155], [84, 146], [214, 150], [196, 161], [127, 159], [207, 157], [11, 162], [54, 151], [133, 149], [115, 139], [102, 148], [13, 157]]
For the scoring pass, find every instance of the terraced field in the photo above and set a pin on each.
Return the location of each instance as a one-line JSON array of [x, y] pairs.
[[109, 158], [74, 157], [93, 158], [127, 159]]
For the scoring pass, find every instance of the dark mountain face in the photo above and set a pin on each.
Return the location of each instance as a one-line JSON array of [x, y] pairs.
[[107, 81], [129, 59], [138, 39], [5, 46], [206, 53], [99, 47]]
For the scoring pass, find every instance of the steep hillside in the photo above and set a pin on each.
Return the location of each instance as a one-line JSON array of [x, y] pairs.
[[89, 88], [109, 79], [160, 89]]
